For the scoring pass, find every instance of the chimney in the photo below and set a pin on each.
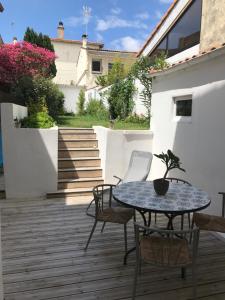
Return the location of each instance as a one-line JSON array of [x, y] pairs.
[[60, 31], [84, 40], [15, 40]]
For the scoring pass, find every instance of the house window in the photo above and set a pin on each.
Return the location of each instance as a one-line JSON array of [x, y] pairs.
[[96, 66], [183, 107], [184, 34]]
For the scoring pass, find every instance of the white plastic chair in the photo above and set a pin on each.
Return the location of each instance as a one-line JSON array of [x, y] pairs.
[[139, 167]]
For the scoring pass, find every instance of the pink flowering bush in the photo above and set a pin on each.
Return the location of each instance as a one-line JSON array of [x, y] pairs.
[[23, 59]]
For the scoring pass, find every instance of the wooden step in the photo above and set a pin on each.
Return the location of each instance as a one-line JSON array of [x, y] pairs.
[[68, 193], [77, 136], [79, 173], [78, 162], [75, 130], [78, 152], [79, 183], [78, 143]]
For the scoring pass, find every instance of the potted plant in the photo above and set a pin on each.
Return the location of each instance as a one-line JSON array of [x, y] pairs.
[[171, 161]]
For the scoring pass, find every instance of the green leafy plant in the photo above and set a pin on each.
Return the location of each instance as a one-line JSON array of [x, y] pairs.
[[140, 71], [38, 120], [28, 91], [119, 71], [170, 160], [97, 108], [81, 103], [120, 98]]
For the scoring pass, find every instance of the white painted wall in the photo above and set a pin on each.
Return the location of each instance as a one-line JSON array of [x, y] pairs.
[[116, 146], [71, 94], [200, 143], [30, 156]]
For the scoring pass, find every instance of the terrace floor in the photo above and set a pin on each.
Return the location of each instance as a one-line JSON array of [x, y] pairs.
[[43, 258]]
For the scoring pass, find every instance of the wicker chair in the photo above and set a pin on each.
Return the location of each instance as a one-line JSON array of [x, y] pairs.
[[164, 249], [178, 180], [210, 222], [139, 167], [104, 211]]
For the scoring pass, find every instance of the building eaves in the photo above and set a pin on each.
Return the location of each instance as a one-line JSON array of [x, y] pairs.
[[113, 51], [101, 45], [214, 51], [158, 26]]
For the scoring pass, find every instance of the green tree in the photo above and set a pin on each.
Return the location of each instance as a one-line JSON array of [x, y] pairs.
[[80, 103], [120, 98], [118, 72], [42, 41], [140, 71], [38, 91]]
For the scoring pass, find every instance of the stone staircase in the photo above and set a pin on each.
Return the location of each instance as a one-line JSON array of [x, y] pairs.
[[79, 165]]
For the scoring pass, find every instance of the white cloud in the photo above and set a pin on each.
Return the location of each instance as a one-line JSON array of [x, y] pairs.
[[99, 37], [116, 22], [116, 11], [127, 43], [158, 14], [166, 1], [143, 16], [73, 21]]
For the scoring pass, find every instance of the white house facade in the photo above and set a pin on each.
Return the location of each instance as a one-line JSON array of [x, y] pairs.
[[80, 62]]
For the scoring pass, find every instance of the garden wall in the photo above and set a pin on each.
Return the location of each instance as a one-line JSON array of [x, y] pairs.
[[29, 155], [116, 147]]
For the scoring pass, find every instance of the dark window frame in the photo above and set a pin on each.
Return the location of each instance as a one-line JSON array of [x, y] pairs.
[[166, 35], [183, 106], [96, 60]]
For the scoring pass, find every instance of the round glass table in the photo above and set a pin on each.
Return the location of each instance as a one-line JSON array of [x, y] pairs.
[[180, 199]]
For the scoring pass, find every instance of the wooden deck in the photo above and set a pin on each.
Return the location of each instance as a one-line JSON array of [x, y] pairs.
[[43, 258]]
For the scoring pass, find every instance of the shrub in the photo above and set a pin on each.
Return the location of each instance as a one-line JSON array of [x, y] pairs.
[[139, 119], [97, 108], [120, 98], [80, 103], [38, 120], [28, 91], [23, 59]]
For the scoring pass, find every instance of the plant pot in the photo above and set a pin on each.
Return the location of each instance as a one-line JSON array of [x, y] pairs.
[[161, 186]]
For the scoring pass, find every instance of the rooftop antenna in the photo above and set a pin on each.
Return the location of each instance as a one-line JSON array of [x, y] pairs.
[[87, 15]]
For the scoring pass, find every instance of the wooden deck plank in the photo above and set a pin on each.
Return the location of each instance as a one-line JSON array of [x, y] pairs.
[[43, 258]]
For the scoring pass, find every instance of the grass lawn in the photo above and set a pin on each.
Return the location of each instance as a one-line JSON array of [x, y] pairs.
[[89, 121]]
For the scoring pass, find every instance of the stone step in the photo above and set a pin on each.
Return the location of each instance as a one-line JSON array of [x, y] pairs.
[[77, 136], [79, 183], [79, 173], [78, 162], [71, 193], [75, 130], [78, 143], [78, 152]]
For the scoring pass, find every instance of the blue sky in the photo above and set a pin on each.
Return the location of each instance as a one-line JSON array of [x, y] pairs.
[[120, 24]]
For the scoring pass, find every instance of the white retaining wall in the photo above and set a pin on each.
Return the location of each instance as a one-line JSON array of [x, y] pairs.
[[30, 156], [116, 147]]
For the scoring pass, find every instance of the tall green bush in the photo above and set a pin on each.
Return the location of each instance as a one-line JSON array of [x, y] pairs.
[[97, 109], [29, 91], [120, 98], [81, 103]]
